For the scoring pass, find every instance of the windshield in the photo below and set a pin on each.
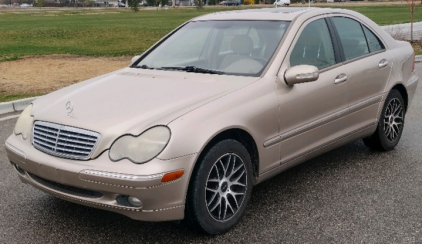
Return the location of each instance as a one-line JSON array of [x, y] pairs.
[[218, 47]]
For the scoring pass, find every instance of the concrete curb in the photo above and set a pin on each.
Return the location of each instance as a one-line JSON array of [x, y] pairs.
[[16, 105], [418, 58]]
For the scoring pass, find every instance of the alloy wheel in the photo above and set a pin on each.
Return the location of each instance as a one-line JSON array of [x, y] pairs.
[[393, 119], [226, 187]]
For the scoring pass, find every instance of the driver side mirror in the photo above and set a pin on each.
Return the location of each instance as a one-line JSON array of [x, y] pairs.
[[134, 59], [300, 74]]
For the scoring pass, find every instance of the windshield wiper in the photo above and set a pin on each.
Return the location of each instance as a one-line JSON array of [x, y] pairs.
[[144, 66], [195, 69]]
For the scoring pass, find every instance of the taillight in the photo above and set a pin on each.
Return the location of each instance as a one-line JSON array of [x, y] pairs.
[[413, 66]]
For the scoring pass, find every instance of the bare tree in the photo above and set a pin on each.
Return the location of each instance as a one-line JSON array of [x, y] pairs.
[[412, 7]]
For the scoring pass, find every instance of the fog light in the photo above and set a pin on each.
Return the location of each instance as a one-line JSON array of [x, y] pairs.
[[19, 169], [134, 201]]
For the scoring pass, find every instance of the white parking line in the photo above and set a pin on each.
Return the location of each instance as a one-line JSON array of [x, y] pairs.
[[9, 117]]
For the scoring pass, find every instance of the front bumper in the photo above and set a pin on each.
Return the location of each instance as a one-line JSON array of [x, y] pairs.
[[100, 182]]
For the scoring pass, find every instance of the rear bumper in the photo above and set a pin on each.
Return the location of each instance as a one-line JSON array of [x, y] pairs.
[[411, 85], [100, 182]]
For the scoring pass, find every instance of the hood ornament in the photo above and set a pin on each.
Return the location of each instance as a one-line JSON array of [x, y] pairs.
[[69, 108]]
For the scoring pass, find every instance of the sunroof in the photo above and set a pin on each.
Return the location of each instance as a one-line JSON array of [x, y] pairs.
[[274, 10]]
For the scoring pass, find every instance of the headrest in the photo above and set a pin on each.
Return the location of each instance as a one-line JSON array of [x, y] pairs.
[[242, 44]]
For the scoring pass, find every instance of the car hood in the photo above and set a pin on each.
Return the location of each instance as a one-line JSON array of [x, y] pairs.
[[131, 100]]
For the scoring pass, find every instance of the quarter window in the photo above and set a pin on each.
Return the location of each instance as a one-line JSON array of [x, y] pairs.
[[314, 46], [351, 36], [374, 43]]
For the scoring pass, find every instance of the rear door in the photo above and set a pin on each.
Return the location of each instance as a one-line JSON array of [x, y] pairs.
[[367, 66]]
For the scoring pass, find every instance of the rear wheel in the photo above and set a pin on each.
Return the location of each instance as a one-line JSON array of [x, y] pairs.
[[390, 125], [220, 188]]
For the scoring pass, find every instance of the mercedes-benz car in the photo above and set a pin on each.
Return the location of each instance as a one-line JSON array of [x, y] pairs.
[[225, 101]]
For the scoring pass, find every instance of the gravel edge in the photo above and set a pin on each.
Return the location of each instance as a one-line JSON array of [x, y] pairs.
[[16, 105]]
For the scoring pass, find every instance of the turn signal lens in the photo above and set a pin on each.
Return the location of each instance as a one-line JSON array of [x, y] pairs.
[[172, 176]]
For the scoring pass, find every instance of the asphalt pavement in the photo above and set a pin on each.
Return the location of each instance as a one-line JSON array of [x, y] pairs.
[[348, 195]]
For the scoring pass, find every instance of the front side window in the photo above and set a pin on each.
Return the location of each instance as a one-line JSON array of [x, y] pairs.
[[351, 36], [314, 46], [223, 47]]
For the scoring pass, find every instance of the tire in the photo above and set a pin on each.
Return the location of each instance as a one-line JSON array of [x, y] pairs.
[[390, 125], [207, 208]]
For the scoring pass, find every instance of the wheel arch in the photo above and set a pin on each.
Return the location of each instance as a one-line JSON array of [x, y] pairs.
[[403, 92], [241, 136]]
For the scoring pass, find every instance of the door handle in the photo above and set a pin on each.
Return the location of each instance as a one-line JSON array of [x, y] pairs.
[[340, 78], [383, 63]]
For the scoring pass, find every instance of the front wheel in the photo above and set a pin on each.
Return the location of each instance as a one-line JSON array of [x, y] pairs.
[[390, 125], [220, 188]]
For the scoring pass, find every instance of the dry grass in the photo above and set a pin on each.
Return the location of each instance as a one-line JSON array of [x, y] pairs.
[[107, 33], [39, 75], [417, 47]]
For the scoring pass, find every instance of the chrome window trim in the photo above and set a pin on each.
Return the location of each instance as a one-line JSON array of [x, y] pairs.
[[363, 56]]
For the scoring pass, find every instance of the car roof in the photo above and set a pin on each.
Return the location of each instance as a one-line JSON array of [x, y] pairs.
[[297, 14], [282, 13]]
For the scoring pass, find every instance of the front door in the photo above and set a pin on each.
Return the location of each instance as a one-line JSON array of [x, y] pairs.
[[312, 114]]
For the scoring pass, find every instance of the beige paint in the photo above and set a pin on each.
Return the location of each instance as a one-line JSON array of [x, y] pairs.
[[289, 124]]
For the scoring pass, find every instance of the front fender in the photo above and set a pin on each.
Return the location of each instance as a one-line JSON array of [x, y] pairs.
[[253, 108]]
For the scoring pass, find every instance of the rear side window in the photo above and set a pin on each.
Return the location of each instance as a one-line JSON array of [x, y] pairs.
[[374, 43], [314, 46], [351, 36]]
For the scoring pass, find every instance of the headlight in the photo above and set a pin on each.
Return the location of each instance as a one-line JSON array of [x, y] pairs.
[[24, 124], [142, 148]]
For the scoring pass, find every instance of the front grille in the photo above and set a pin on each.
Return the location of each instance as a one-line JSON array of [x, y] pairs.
[[64, 141], [66, 188]]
